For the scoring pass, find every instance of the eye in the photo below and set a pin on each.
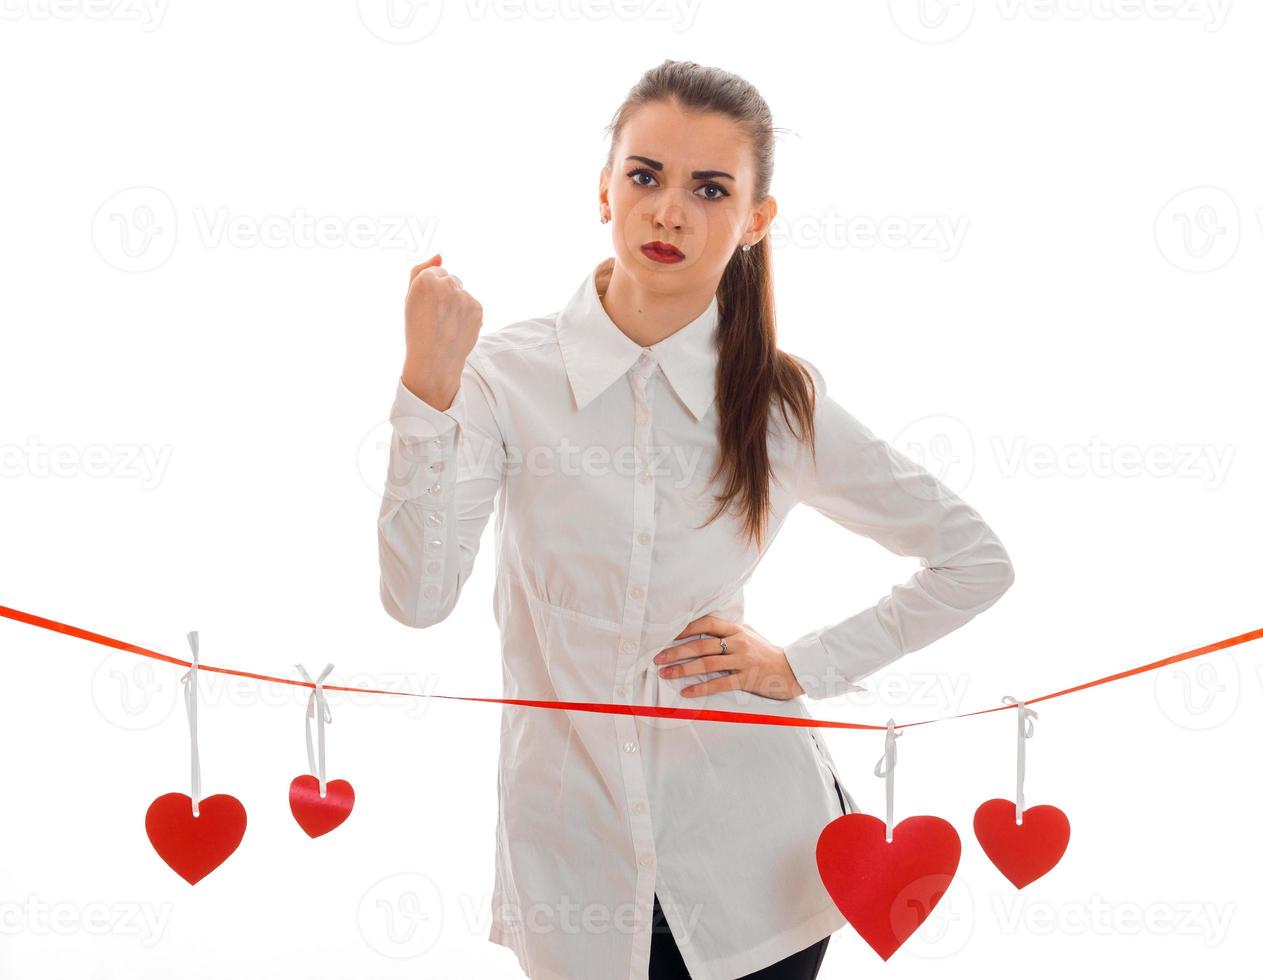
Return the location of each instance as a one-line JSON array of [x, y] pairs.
[[653, 180]]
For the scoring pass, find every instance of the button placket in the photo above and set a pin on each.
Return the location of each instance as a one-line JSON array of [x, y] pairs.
[[638, 574], [631, 636], [434, 501]]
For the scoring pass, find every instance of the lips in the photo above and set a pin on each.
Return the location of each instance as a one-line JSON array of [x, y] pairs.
[[662, 252]]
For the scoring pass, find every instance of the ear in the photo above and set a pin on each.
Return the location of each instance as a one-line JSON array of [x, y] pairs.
[[761, 218], [603, 189]]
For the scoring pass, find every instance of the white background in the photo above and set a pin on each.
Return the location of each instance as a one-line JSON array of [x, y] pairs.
[[1057, 314]]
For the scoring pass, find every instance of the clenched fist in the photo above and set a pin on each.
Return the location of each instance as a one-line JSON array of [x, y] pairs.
[[441, 324]]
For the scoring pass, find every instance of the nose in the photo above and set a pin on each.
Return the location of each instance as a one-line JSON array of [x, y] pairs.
[[668, 213]]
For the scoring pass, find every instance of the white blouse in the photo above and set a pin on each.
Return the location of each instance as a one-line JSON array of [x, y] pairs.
[[596, 463]]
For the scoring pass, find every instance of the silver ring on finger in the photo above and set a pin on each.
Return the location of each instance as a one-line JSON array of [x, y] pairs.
[[723, 645]]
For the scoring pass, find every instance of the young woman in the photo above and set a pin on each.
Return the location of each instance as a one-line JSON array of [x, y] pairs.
[[642, 447]]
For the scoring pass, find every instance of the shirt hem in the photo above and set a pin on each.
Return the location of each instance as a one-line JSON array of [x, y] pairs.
[[508, 939], [503, 938], [772, 950], [748, 961]]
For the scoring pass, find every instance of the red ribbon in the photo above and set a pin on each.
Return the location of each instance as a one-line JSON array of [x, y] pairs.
[[696, 714]]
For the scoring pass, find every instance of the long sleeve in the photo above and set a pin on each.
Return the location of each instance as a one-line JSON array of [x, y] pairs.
[[864, 484], [445, 469]]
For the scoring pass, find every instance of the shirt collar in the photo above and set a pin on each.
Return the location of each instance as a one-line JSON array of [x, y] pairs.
[[597, 353]]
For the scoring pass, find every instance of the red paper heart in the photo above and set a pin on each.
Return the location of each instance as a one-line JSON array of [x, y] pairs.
[[195, 846], [315, 815], [1022, 851], [886, 890]]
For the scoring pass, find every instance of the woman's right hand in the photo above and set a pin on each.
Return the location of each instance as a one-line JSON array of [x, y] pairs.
[[441, 324]]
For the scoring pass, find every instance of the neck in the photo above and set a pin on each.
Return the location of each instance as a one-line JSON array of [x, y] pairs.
[[645, 316]]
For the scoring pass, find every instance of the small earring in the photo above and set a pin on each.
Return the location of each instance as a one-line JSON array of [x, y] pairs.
[[745, 248]]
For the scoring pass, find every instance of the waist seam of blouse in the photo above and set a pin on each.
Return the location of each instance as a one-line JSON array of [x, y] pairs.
[[535, 597], [611, 625]]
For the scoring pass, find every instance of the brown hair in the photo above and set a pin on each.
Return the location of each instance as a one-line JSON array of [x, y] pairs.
[[751, 370]]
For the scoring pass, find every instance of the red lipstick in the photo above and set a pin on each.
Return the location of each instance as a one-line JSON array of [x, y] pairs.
[[662, 252]]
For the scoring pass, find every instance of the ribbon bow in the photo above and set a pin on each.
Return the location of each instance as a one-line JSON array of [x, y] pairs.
[[318, 708], [1025, 729], [885, 768], [189, 680]]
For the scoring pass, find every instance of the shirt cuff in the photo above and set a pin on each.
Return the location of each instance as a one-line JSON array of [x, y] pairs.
[[424, 444], [819, 673], [413, 416]]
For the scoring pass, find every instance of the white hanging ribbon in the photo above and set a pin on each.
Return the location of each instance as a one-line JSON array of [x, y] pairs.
[[1025, 729], [189, 680], [318, 708], [885, 768]]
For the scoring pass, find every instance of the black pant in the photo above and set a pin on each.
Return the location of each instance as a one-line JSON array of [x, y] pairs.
[[665, 962]]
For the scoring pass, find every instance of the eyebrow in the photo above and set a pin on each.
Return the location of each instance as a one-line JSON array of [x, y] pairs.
[[697, 174]]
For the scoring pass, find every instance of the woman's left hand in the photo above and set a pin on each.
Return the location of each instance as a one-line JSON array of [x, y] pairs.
[[757, 664]]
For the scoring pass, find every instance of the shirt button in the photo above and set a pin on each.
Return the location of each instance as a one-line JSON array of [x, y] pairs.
[[637, 592], [642, 416], [437, 488], [643, 537], [433, 567], [645, 476], [627, 746], [646, 860], [433, 519], [437, 465], [629, 646], [638, 807], [437, 443], [431, 591], [434, 544], [620, 691]]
